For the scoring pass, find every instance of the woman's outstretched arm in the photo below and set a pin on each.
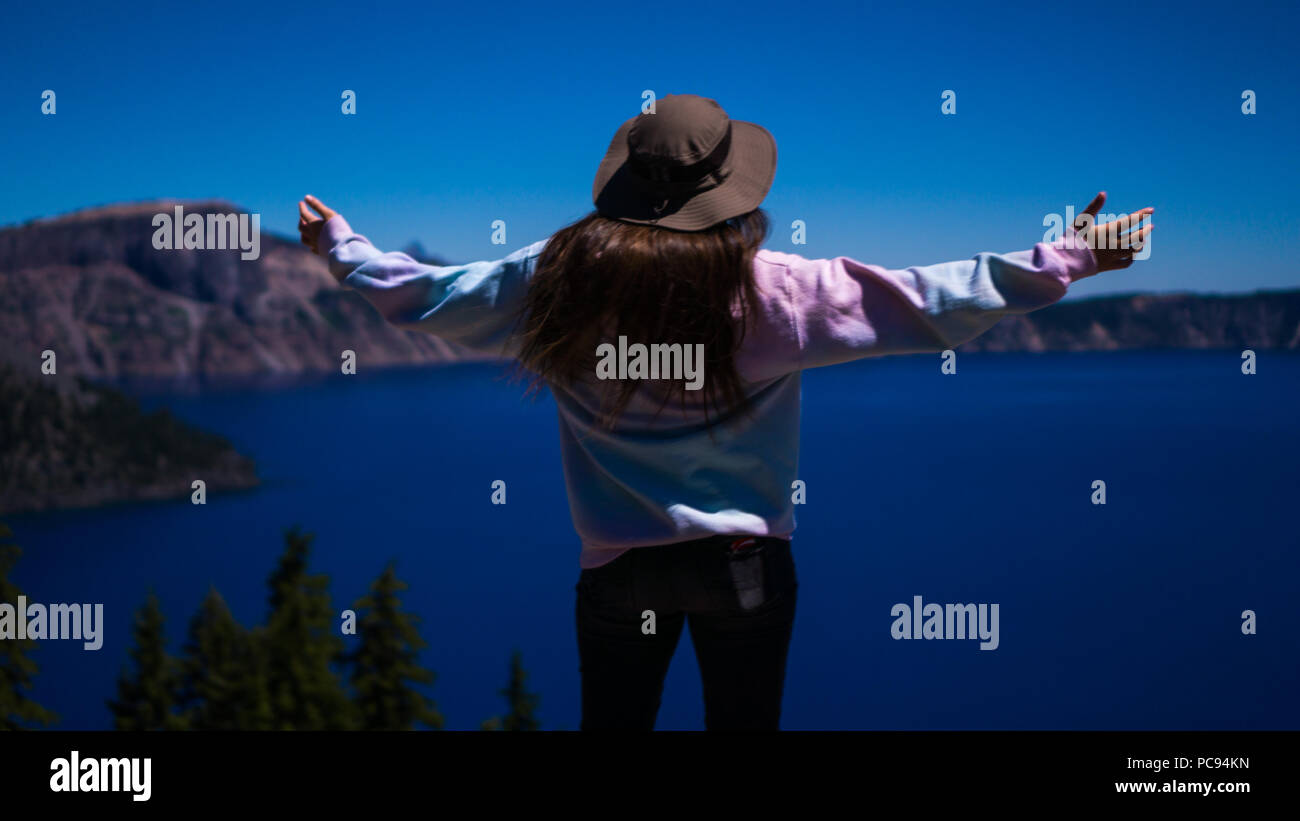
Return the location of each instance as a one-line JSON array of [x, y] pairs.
[[841, 309], [473, 305]]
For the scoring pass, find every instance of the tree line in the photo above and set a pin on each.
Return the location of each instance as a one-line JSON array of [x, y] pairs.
[[293, 672]]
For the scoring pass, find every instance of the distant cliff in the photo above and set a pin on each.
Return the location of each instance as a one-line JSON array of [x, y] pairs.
[[91, 287], [66, 443], [1262, 320]]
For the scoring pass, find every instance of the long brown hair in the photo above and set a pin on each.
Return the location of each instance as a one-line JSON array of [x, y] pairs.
[[601, 278]]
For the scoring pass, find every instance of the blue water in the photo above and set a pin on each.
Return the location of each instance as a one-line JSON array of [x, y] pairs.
[[967, 488]]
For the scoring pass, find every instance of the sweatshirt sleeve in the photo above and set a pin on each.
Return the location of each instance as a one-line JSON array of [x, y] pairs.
[[473, 305], [842, 309]]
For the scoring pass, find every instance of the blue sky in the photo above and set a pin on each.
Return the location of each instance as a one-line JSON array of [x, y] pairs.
[[478, 112]]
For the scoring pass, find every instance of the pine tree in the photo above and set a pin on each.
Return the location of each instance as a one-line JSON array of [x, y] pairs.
[[522, 704], [223, 673], [385, 665], [17, 710], [146, 699], [300, 646]]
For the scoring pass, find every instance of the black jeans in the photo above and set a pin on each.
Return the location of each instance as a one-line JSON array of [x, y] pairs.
[[738, 595]]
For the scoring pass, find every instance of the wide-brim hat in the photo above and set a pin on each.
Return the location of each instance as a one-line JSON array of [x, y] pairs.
[[684, 165]]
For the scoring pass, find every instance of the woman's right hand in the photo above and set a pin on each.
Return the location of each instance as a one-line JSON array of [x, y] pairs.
[[1110, 244], [309, 224]]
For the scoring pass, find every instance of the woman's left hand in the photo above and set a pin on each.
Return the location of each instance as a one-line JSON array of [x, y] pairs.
[[309, 224], [1114, 244]]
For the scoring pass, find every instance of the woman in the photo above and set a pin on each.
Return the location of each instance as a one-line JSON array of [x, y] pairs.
[[673, 346]]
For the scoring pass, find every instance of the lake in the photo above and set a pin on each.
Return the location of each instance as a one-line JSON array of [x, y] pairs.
[[975, 487]]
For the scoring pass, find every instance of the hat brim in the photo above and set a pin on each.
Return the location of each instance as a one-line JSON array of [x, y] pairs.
[[618, 194]]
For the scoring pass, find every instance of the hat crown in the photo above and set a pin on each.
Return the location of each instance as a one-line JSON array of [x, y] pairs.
[[682, 130], [686, 166]]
